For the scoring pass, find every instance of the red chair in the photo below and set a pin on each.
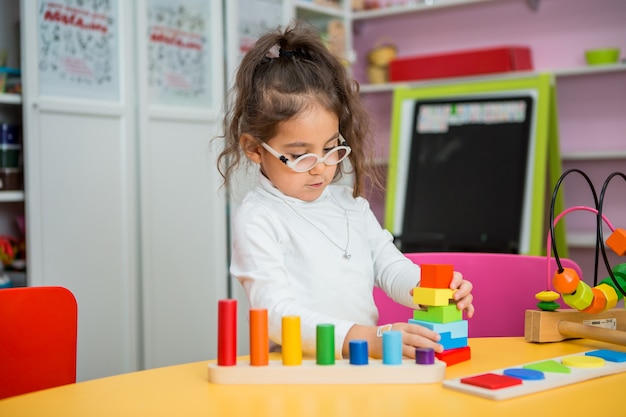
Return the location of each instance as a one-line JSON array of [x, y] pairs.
[[38, 330], [504, 288]]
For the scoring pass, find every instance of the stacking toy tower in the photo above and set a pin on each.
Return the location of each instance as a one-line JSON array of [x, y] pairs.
[[292, 368], [440, 314]]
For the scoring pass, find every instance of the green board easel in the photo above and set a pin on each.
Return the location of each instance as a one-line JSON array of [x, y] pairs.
[[544, 165]]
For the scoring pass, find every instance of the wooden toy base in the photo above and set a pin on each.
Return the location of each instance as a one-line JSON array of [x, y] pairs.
[[552, 380], [340, 373]]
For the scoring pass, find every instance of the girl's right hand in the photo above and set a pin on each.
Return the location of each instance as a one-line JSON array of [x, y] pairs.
[[413, 336]]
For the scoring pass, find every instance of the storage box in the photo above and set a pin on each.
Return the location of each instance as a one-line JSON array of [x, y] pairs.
[[11, 179], [461, 63], [10, 155], [10, 134], [10, 80]]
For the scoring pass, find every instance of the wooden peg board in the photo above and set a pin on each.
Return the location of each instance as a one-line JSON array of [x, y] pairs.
[[342, 372], [552, 379]]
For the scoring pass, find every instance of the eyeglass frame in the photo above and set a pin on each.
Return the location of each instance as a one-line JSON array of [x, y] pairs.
[[292, 164]]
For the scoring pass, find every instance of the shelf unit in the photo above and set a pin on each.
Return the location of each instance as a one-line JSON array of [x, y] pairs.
[[12, 202], [557, 42]]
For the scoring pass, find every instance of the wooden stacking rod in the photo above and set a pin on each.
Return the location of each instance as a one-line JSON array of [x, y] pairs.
[[554, 326]]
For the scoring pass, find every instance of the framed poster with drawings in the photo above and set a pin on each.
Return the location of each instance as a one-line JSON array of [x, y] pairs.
[[78, 50], [180, 52]]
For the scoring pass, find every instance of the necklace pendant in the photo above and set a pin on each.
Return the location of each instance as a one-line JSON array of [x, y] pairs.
[[346, 255]]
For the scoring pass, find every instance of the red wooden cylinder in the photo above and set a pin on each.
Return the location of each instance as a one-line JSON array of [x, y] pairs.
[[227, 332]]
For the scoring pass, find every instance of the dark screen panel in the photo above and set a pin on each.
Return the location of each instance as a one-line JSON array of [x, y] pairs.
[[466, 176]]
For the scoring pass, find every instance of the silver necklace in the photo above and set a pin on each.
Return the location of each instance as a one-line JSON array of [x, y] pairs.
[[346, 255]]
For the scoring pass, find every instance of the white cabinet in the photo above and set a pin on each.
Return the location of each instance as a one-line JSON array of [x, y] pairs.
[[123, 200]]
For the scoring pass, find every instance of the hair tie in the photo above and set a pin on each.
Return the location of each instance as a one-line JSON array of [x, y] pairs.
[[282, 53]]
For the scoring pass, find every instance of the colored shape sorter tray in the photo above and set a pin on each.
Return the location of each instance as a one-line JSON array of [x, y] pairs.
[[342, 372], [502, 384]]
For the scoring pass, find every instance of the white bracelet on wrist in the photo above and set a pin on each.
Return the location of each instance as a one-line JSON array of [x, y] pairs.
[[382, 329]]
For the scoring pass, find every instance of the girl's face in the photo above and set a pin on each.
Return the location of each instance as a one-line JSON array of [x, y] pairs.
[[314, 131]]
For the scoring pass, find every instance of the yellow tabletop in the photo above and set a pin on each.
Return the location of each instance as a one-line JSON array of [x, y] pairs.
[[184, 390]]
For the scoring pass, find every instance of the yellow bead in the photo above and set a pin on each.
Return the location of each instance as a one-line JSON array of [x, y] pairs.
[[610, 294], [547, 296], [581, 298]]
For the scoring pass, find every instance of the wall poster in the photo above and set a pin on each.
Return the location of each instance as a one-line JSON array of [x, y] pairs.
[[255, 18], [78, 48], [179, 65]]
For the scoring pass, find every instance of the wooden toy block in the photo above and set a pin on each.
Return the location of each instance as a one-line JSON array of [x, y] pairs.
[[436, 275], [553, 377], [439, 314], [555, 326], [432, 296], [454, 356], [342, 372], [617, 242], [455, 328], [448, 342], [491, 381]]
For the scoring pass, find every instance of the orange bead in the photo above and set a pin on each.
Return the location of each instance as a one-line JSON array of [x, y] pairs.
[[617, 242], [598, 304], [609, 293], [565, 282]]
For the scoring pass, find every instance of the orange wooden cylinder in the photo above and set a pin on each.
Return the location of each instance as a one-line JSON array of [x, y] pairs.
[[259, 339]]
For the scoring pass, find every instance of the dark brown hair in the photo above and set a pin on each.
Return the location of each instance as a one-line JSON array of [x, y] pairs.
[[282, 75]]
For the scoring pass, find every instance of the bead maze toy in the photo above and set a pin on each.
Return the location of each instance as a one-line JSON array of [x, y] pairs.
[[592, 314], [293, 369]]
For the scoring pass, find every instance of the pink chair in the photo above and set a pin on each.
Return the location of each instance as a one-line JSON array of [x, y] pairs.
[[38, 330], [504, 288]]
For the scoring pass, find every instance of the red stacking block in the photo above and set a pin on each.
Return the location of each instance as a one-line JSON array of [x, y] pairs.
[[436, 275], [461, 63], [453, 356]]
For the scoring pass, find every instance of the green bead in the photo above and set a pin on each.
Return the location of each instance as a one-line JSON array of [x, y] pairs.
[[548, 305]]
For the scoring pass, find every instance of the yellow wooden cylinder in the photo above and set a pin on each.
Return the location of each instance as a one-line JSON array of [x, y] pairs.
[[292, 341]]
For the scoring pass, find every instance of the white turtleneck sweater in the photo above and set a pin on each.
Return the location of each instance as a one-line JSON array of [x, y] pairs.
[[295, 267]]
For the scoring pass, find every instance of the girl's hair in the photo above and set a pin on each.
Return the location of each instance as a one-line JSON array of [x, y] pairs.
[[281, 76]]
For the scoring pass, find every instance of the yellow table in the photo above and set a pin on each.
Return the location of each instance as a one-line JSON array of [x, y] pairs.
[[184, 390]]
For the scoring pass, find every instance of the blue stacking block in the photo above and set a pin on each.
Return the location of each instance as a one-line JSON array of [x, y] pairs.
[[455, 328]]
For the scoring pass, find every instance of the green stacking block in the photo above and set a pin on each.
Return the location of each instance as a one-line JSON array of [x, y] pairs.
[[438, 314]]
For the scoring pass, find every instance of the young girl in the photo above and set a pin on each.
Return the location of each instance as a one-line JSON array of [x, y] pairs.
[[304, 245]]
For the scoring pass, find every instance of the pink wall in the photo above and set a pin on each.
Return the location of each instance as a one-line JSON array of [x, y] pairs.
[[557, 33]]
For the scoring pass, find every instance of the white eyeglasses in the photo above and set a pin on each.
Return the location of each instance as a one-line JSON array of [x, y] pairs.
[[309, 161]]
